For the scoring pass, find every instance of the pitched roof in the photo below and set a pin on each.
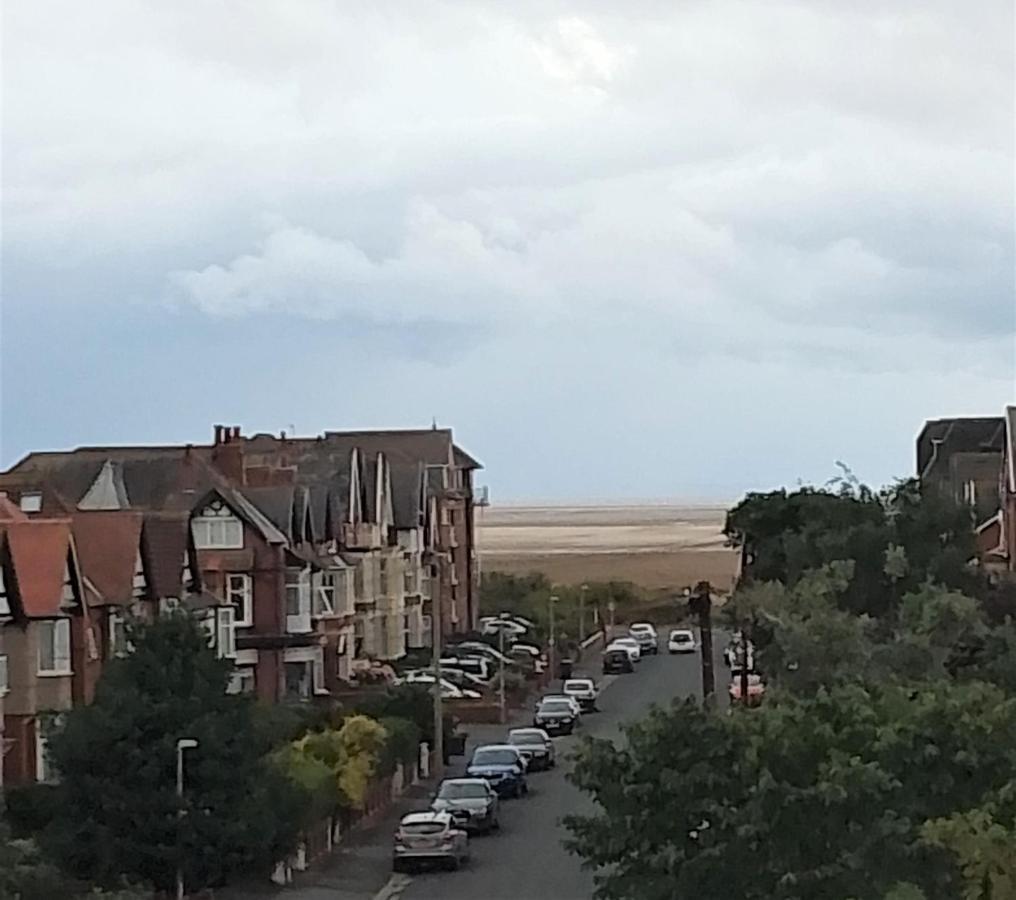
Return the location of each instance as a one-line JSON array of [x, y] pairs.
[[108, 543], [39, 550], [166, 540], [967, 434], [10, 511]]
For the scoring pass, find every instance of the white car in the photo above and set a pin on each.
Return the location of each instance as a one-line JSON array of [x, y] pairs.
[[629, 644], [681, 641], [512, 630], [572, 701], [449, 691], [478, 648], [583, 690], [430, 836], [645, 634]]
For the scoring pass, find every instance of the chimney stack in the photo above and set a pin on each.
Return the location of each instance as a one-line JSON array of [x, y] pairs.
[[219, 429]]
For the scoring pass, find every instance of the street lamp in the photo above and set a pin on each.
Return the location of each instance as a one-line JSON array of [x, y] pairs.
[[582, 613], [181, 745], [552, 649]]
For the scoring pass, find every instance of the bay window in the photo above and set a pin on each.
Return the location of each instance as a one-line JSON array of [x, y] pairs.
[[297, 600], [55, 647]]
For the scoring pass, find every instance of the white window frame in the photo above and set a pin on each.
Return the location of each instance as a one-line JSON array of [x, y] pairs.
[[30, 502], [216, 527], [90, 643], [44, 772], [116, 625], [139, 584], [5, 684], [5, 607], [318, 673], [58, 632], [326, 591], [240, 596], [298, 613], [242, 680], [970, 492], [225, 632]]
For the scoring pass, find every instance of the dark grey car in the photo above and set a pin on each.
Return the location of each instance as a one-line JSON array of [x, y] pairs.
[[469, 796]]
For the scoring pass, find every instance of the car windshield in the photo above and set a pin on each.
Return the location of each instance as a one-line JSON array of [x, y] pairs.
[[626, 642], [525, 737], [577, 685], [423, 827], [452, 790], [680, 636], [494, 758], [555, 706]]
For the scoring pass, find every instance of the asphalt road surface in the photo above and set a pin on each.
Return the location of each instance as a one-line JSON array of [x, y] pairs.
[[527, 860]]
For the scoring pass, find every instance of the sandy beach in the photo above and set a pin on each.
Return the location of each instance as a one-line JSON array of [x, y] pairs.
[[656, 546]]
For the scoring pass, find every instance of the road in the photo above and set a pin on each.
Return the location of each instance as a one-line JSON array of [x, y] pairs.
[[527, 859]]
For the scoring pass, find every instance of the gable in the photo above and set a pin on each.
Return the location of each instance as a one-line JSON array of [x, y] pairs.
[[41, 560], [107, 491]]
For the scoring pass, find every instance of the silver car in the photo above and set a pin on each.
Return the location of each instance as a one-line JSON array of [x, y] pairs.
[[472, 797], [429, 837]]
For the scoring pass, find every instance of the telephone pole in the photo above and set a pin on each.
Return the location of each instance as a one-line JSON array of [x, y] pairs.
[[701, 604], [435, 609], [582, 613], [552, 648]]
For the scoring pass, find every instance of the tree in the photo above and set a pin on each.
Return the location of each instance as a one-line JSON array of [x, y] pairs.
[[116, 758], [25, 874], [821, 796], [898, 539]]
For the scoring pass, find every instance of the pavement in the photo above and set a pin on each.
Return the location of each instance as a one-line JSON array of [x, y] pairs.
[[526, 860]]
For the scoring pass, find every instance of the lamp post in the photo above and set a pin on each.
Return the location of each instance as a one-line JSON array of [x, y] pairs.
[[182, 745], [500, 676], [435, 609], [552, 648], [582, 612]]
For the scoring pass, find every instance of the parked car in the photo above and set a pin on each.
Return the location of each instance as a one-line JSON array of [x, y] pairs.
[[463, 679], [536, 746], [575, 705], [645, 634], [617, 660], [503, 766], [449, 691], [512, 630], [583, 690], [432, 837], [756, 690], [681, 641], [555, 715], [629, 644], [475, 665], [478, 648], [475, 797]]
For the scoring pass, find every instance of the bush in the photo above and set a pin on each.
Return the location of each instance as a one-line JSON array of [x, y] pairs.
[[30, 808], [402, 744]]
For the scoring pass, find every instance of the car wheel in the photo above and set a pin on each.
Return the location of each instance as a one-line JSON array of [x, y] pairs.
[[495, 824], [454, 863], [398, 865], [525, 788]]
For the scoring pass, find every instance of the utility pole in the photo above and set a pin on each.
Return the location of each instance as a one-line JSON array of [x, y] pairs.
[[435, 608], [500, 686], [552, 647], [582, 613], [701, 604]]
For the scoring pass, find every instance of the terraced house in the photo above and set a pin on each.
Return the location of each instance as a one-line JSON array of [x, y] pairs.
[[305, 559]]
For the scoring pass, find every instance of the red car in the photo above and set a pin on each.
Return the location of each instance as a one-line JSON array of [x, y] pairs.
[[756, 690]]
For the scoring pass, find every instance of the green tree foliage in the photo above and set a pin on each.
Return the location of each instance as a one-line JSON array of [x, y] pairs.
[[25, 874], [350, 753], [898, 540], [983, 841], [805, 797], [120, 815]]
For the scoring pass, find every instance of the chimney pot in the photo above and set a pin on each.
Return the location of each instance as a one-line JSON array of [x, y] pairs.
[[236, 432], [218, 434]]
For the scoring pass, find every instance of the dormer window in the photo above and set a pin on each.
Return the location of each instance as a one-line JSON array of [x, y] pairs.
[[31, 502], [216, 528]]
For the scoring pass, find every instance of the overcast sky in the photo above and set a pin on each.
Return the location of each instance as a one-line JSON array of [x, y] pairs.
[[626, 249]]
